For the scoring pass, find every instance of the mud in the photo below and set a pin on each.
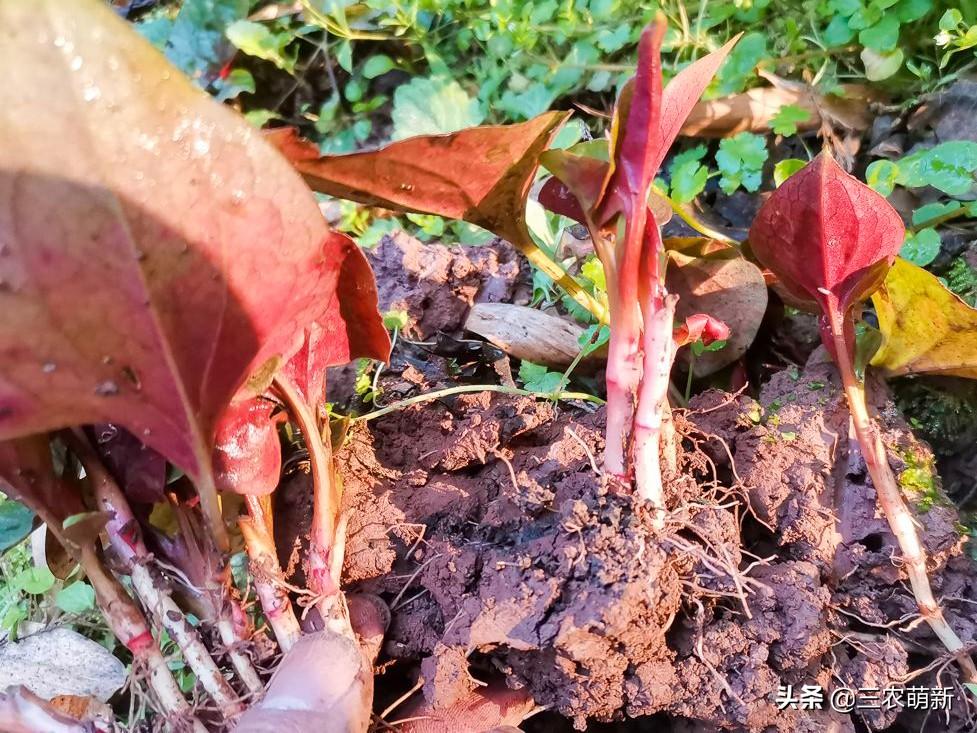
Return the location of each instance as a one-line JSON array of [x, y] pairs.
[[482, 519]]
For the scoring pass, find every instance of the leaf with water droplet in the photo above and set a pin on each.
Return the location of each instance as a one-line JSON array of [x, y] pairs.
[[222, 288]]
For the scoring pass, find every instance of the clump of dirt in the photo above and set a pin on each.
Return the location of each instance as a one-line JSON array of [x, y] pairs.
[[483, 520], [436, 284]]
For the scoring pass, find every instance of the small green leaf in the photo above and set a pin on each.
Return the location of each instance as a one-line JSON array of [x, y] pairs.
[[787, 119], [931, 211], [35, 581], [909, 10], [238, 82], [76, 598], [593, 338], [922, 247], [740, 160], [838, 33], [688, 181], [377, 65], [260, 117], [951, 19], [879, 66], [741, 63], [255, 39], [395, 320], [537, 378], [16, 522], [593, 270], [427, 106], [883, 36], [881, 175], [785, 169]]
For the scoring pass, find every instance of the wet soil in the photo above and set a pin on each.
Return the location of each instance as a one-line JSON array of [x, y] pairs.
[[507, 559]]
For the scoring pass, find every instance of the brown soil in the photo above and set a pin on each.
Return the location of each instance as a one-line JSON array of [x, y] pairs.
[[483, 521]]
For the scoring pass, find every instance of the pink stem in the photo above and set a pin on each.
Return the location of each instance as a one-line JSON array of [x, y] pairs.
[[659, 351]]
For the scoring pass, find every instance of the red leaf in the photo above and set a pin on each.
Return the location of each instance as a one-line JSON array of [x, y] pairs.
[[481, 175], [154, 249], [358, 333], [648, 119], [248, 455], [700, 327], [139, 470], [635, 136], [829, 238]]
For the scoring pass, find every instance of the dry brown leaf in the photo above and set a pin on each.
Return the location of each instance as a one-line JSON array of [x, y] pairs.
[[732, 290], [753, 110]]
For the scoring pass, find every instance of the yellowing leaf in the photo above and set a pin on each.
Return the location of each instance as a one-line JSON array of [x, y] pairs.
[[926, 329]]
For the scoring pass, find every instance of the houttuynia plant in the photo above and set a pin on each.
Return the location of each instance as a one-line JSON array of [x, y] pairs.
[[455, 176], [831, 239], [165, 278]]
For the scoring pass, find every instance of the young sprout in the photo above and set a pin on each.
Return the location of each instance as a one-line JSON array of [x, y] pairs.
[[831, 239], [612, 198]]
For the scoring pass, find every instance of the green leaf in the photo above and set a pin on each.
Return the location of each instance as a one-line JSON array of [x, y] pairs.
[[786, 168], [741, 63], [377, 65], [838, 33], [931, 211], [688, 175], [524, 105], [951, 19], [922, 247], [76, 598], [883, 36], [787, 119], [537, 378], [238, 82], [195, 42], [949, 167], [16, 522], [593, 270], [865, 17], [740, 160], [879, 66], [909, 10], [35, 581], [881, 175], [256, 39], [593, 338], [427, 106]]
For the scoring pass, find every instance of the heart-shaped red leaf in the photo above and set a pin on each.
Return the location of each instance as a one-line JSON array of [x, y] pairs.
[[829, 238]]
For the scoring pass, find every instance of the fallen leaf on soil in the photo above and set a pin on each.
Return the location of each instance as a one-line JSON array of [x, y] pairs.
[[925, 328], [732, 290], [526, 333], [152, 267], [61, 662], [754, 109]]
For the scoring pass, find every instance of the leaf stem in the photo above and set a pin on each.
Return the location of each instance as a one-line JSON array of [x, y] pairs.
[[892, 503], [266, 573], [326, 495]]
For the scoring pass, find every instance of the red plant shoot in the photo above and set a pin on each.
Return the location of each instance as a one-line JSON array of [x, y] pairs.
[[831, 239]]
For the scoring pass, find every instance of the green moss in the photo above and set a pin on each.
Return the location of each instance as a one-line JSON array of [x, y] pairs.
[[918, 480], [961, 278], [942, 411]]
